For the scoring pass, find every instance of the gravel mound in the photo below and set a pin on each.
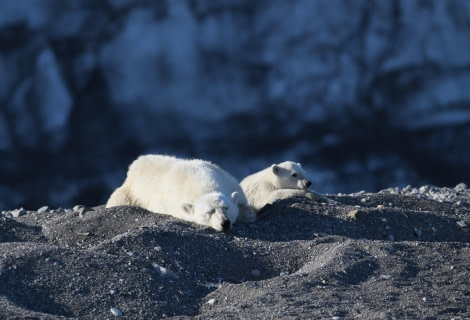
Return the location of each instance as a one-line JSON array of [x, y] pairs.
[[395, 254]]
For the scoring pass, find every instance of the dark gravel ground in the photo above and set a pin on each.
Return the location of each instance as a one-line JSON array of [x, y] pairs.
[[395, 254]]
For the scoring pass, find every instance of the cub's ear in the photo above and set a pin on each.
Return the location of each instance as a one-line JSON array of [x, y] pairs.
[[234, 196], [275, 169], [188, 208]]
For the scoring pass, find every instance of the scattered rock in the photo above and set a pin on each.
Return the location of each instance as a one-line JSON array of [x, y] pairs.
[[418, 232], [255, 273], [164, 272], [18, 212], [461, 187], [43, 209], [357, 214], [462, 223], [116, 312], [83, 234], [81, 210]]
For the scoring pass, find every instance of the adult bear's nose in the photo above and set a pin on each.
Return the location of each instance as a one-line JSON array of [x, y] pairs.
[[308, 183], [226, 225]]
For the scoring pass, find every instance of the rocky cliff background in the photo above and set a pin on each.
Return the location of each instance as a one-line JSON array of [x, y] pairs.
[[366, 94]]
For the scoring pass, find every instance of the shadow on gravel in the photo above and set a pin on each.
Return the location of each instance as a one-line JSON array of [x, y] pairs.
[[76, 283], [14, 231]]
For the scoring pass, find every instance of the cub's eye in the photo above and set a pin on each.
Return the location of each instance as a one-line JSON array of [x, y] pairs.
[[294, 175], [224, 208], [210, 211]]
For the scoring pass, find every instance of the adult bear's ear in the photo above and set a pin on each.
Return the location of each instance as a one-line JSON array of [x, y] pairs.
[[275, 169], [234, 196], [188, 208]]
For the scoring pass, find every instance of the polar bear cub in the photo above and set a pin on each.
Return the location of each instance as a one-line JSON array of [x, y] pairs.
[[191, 190], [279, 181]]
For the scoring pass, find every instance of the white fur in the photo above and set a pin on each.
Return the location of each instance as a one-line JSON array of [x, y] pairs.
[[279, 181], [192, 190]]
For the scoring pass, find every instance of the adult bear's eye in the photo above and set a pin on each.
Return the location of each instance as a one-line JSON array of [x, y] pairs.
[[294, 175]]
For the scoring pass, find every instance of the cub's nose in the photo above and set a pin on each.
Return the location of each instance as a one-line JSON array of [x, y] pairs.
[[226, 225], [308, 184]]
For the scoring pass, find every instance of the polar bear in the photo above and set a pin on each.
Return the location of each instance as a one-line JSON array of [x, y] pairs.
[[191, 190], [279, 181]]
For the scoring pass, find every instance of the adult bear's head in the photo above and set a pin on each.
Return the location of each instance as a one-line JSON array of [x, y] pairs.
[[215, 210]]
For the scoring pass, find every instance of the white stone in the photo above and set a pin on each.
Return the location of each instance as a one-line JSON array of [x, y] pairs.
[[116, 312]]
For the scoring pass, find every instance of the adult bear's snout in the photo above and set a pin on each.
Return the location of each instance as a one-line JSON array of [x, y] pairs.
[[226, 225]]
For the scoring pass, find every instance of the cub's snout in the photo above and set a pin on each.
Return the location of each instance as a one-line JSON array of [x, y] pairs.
[[304, 184]]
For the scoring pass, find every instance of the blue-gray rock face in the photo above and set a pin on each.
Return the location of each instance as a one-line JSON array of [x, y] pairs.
[[365, 94]]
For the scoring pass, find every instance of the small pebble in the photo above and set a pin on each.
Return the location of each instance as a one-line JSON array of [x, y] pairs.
[[212, 301], [255, 273], [43, 209], [81, 209], [461, 187], [18, 212], [164, 272], [116, 312], [418, 232], [357, 215], [461, 223]]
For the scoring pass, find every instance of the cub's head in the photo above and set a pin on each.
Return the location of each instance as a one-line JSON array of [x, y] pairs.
[[215, 210], [290, 175]]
